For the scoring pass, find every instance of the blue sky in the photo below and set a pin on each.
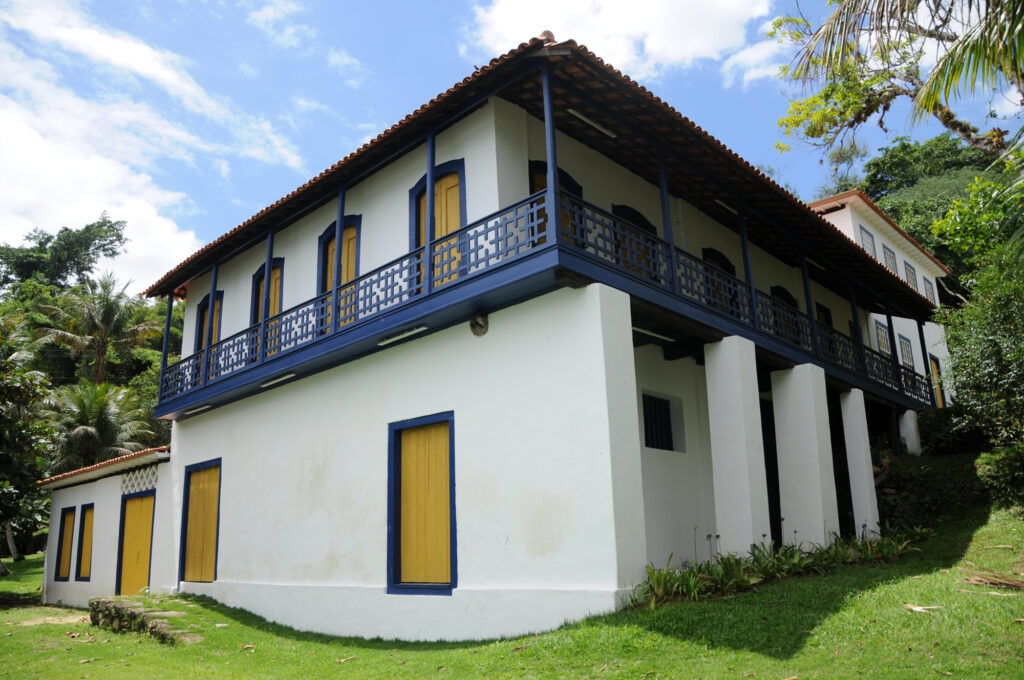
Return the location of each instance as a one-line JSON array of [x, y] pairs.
[[185, 117]]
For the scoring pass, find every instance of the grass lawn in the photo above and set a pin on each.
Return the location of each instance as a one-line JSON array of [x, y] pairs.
[[849, 624]]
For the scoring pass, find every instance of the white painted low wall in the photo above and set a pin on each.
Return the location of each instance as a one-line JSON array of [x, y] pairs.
[[544, 411]]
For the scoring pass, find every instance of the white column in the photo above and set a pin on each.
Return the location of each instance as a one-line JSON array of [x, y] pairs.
[[737, 450], [909, 432], [806, 479], [858, 460]]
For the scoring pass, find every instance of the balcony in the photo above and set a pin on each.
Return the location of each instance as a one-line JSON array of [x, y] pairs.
[[612, 250]]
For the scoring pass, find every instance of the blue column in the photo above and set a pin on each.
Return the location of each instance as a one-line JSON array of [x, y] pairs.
[[856, 327], [204, 368], [268, 266], [428, 219], [927, 363], [339, 224], [747, 267], [666, 223], [809, 299], [554, 211]]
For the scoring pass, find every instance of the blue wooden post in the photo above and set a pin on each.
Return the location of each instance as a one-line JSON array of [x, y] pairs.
[[204, 368], [892, 350], [666, 224], [927, 363], [748, 268], [857, 329], [265, 302], [809, 300], [554, 211], [335, 299], [428, 219]]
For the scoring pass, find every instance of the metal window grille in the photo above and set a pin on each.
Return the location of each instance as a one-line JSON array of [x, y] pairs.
[[657, 423], [882, 333], [867, 241], [907, 352], [890, 260], [929, 291], [911, 275]]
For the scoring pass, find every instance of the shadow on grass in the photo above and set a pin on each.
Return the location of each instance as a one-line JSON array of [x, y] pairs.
[[21, 587], [777, 619]]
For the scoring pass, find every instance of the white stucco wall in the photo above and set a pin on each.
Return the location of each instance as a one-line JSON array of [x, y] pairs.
[[547, 478], [678, 493], [105, 494]]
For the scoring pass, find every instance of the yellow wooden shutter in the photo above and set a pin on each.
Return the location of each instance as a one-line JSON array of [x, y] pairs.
[[937, 382], [201, 527], [259, 302], [348, 254], [136, 540], [67, 520], [328, 266], [85, 554], [424, 524], [216, 320], [275, 291]]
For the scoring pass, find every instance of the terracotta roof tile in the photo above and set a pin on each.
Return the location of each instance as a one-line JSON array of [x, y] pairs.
[[98, 466]]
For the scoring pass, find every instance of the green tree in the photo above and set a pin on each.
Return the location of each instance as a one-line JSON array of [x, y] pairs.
[[98, 319], [96, 422], [870, 53], [904, 163], [62, 258], [24, 438]]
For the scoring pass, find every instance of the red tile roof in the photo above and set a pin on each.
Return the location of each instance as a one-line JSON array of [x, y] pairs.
[[99, 466]]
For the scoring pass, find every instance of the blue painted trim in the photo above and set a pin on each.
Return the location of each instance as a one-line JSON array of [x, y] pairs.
[[911, 346], [554, 213], [565, 180], [81, 533], [339, 224], [879, 326], [871, 237], [258, 276], [120, 537], [321, 249], [189, 469], [909, 272], [886, 250], [60, 545], [395, 586], [204, 304], [457, 165]]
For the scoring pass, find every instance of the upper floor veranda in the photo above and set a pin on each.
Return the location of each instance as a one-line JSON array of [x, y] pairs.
[[646, 202]]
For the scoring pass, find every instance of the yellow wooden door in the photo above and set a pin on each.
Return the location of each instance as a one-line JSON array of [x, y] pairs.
[[447, 220], [67, 529], [85, 553], [201, 528], [539, 182], [136, 540], [204, 320], [425, 526], [937, 382], [347, 295]]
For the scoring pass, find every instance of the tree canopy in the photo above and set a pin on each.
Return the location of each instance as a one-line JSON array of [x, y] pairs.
[[64, 258]]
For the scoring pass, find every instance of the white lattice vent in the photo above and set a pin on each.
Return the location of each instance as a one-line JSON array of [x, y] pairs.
[[139, 479]]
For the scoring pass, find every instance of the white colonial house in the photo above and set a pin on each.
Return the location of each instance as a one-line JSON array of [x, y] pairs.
[[469, 380]]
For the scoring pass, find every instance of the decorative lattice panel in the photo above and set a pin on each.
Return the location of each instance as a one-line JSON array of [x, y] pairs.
[[139, 479]]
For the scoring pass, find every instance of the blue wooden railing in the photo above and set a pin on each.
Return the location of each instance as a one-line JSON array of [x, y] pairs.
[[502, 238]]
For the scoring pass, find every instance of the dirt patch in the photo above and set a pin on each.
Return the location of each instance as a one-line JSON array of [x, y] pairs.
[[57, 618]]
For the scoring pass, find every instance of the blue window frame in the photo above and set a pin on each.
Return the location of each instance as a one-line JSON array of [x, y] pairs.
[[906, 351], [256, 305], [62, 570], [395, 583], [322, 249], [121, 537], [457, 166], [86, 526], [882, 337], [867, 241], [183, 543], [910, 274], [202, 309], [890, 259], [929, 290]]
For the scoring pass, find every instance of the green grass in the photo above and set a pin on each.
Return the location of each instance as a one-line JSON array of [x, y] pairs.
[[849, 624]]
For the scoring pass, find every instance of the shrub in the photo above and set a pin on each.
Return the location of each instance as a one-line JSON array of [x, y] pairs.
[[1002, 473], [947, 431]]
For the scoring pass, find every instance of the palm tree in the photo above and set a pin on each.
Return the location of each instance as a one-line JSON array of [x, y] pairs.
[[96, 422], [100, 319], [983, 40]]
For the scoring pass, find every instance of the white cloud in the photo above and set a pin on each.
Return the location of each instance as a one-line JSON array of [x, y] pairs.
[[642, 38], [348, 66], [760, 60], [56, 21], [273, 20], [247, 70], [1008, 104]]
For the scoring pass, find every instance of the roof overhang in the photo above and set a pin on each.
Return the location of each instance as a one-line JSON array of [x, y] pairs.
[[108, 467], [614, 115]]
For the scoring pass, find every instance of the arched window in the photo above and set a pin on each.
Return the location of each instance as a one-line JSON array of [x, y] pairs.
[[719, 292], [203, 317], [539, 182], [349, 268], [633, 247], [276, 278], [782, 294], [449, 217], [716, 258]]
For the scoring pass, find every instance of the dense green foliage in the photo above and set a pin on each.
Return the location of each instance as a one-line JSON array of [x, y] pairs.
[[63, 258], [1002, 473]]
